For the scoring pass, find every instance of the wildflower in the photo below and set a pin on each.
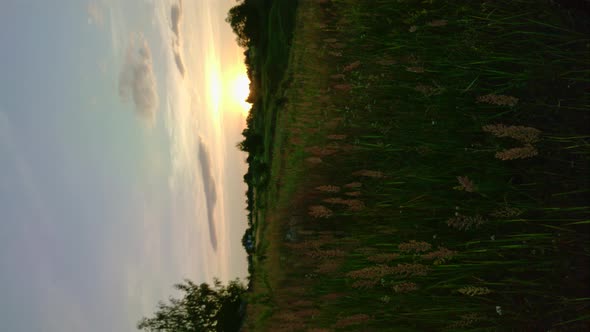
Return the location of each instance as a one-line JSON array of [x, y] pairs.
[[526, 151], [499, 310], [500, 100], [413, 28], [385, 299]]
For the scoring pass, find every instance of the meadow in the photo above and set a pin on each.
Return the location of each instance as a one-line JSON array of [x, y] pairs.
[[420, 166]]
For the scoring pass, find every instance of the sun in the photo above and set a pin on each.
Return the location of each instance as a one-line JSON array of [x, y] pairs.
[[240, 91]]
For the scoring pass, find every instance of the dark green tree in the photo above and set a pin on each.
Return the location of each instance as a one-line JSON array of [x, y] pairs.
[[203, 308]]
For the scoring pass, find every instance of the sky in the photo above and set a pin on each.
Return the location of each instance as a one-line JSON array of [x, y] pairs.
[[119, 172]]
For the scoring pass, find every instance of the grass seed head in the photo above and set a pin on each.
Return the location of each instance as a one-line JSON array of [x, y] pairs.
[[523, 152], [369, 174], [414, 246], [465, 184], [500, 100], [405, 287], [462, 222], [320, 211], [328, 189], [520, 133], [352, 320], [474, 291], [440, 256]]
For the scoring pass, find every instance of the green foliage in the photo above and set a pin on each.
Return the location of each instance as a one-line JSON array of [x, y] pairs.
[[203, 308]]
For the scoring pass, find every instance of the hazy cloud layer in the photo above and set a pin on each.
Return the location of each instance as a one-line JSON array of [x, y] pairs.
[[209, 189], [137, 81], [175, 21], [95, 14]]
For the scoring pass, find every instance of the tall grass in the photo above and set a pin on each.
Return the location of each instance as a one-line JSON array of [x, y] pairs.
[[461, 169]]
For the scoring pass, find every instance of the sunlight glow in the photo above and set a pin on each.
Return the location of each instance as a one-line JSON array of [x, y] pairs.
[[240, 90]]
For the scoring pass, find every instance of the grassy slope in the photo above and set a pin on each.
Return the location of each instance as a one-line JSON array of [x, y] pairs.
[[410, 114]]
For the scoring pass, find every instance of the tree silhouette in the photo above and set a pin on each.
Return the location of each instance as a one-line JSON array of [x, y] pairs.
[[203, 308]]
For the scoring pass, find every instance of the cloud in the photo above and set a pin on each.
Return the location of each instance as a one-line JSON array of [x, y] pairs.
[[95, 14], [179, 63], [137, 80], [175, 18], [175, 22], [209, 189]]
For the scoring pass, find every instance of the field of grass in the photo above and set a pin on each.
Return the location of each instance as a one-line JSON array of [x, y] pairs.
[[429, 167]]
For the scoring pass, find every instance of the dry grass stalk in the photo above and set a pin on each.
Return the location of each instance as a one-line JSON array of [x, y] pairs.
[[440, 256], [414, 246], [353, 193], [335, 53], [465, 184], [315, 329], [328, 189], [302, 303], [462, 222], [405, 287], [352, 66], [383, 258], [336, 137], [500, 100], [506, 212], [330, 40], [523, 152], [437, 23], [319, 211], [520, 133], [352, 320], [353, 185], [369, 173], [333, 200], [474, 291]]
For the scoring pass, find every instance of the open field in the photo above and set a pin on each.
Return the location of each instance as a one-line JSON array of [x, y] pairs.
[[426, 168]]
